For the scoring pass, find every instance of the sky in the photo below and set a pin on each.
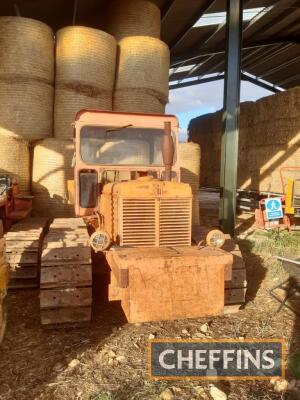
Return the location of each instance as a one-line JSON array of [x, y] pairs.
[[190, 102]]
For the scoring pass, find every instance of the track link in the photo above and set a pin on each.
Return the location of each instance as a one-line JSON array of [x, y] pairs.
[[66, 274], [23, 252]]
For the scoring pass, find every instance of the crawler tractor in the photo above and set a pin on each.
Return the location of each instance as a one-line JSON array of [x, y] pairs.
[[129, 197]]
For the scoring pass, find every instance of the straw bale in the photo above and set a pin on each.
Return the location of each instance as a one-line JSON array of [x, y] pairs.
[[26, 49], [278, 131], [200, 128], [144, 64], [68, 102], [269, 140], [265, 163], [133, 18], [85, 56], [217, 123], [26, 108], [281, 105], [52, 167], [139, 101], [15, 159], [247, 111]]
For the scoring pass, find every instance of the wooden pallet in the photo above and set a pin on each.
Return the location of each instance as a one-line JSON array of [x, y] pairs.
[[236, 277], [23, 252], [66, 274]]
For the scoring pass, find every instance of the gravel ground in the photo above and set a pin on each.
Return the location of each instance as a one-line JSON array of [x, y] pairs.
[[108, 359]]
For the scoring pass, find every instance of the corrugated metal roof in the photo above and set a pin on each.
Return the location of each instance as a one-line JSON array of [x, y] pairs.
[[271, 40]]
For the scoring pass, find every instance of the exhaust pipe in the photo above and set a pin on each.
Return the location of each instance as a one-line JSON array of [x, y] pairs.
[[168, 151]]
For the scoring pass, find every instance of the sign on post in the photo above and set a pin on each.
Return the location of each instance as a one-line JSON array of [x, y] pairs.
[[273, 208]]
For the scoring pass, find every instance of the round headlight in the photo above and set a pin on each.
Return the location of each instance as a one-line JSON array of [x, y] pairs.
[[100, 241], [215, 238]]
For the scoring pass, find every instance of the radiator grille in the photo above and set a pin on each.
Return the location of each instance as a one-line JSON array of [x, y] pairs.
[[138, 220], [156, 222], [175, 222]]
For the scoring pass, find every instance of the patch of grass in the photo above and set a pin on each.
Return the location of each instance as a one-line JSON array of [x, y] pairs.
[[278, 243], [294, 365]]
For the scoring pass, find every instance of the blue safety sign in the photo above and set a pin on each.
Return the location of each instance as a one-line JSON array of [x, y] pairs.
[[274, 208]]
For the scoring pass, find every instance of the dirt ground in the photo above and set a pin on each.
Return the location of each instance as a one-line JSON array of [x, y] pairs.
[[108, 359]]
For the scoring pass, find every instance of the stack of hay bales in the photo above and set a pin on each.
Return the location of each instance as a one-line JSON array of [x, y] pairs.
[[206, 130], [269, 140], [133, 18], [189, 156], [142, 75], [274, 141], [26, 92], [85, 74]]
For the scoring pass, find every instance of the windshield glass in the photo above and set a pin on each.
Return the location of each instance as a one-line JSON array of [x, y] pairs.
[[125, 145]]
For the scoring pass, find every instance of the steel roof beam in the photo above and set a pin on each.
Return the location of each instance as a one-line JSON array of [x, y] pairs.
[[279, 67], [197, 82], [166, 10], [258, 17], [264, 85], [188, 56], [288, 80], [195, 68], [244, 77], [268, 56], [188, 26], [279, 18]]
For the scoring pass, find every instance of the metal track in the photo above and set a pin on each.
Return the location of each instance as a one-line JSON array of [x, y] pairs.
[[66, 274], [23, 251]]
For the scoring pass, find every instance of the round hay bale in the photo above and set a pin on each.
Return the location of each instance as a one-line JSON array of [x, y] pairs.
[[144, 64], [26, 49], [52, 167], [133, 18], [189, 158], [137, 101], [27, 108], [68, 102], [86, 56], [15, 159]]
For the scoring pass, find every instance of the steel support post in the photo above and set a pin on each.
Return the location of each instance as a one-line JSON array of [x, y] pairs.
[[230, 136]]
